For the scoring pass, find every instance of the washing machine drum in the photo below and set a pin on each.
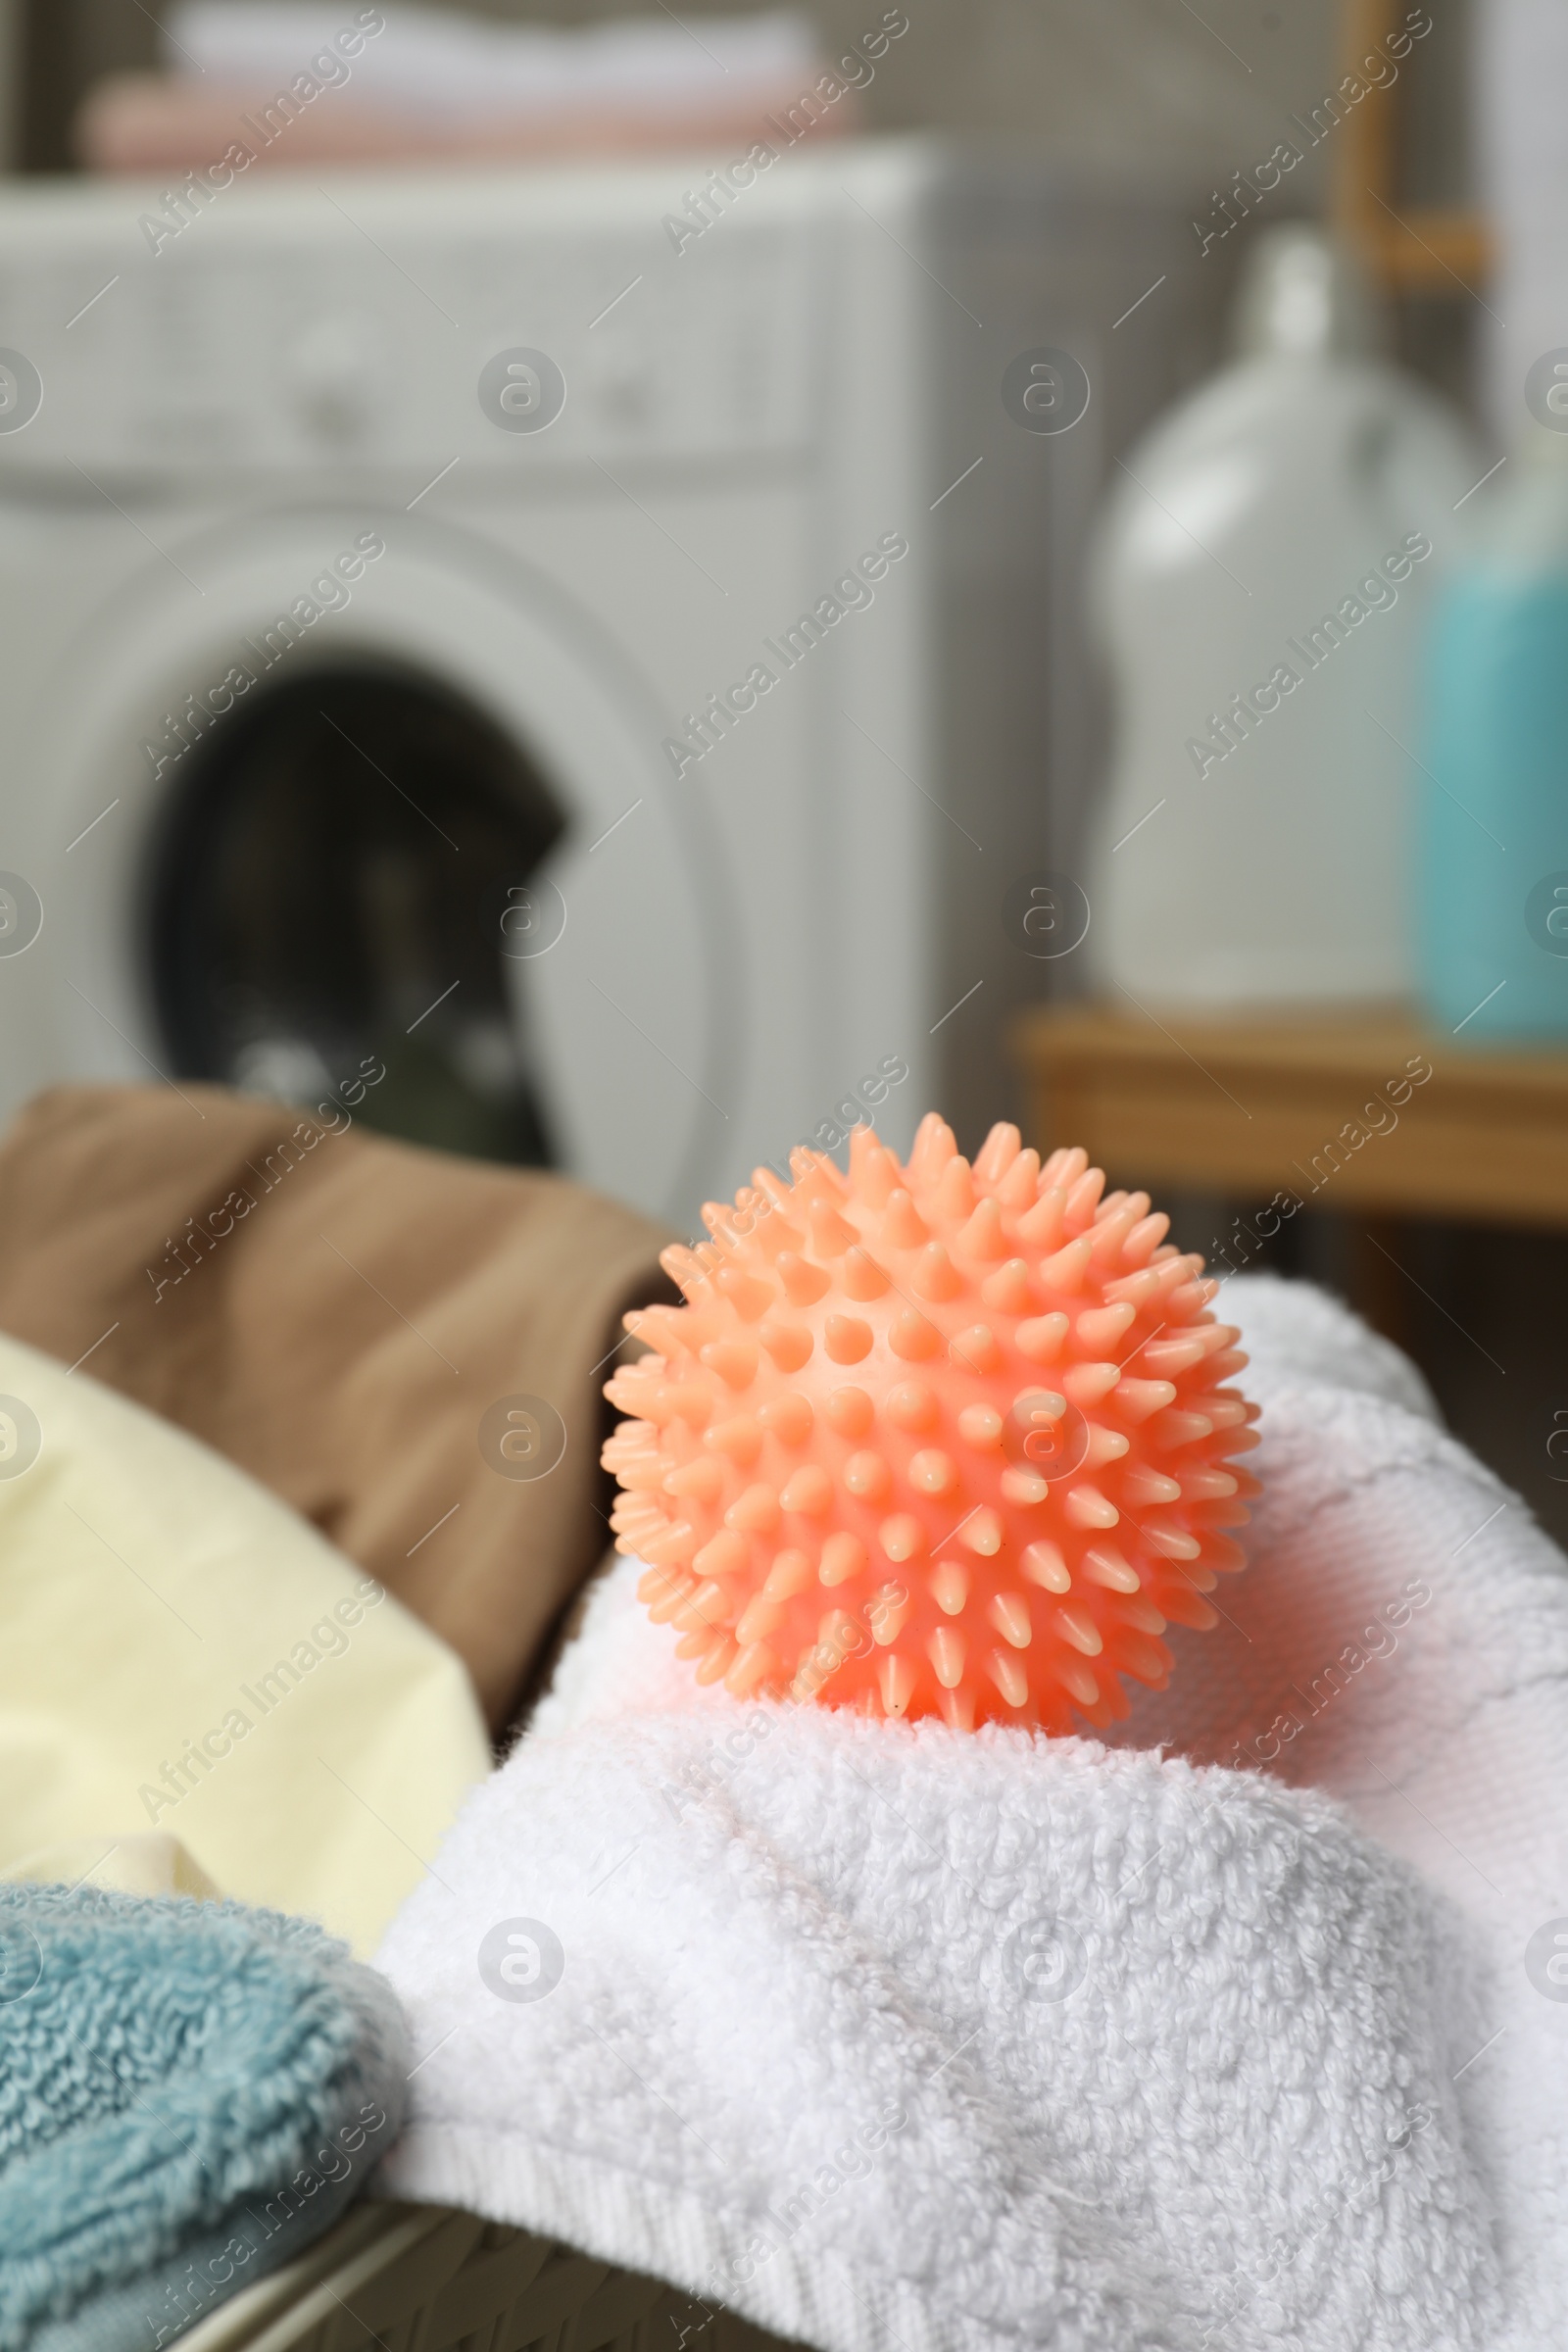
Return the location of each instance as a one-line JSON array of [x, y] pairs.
[[328, 887], [438, 843]]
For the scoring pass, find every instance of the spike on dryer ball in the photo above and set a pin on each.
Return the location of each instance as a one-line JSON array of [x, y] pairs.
[[934, 1438]]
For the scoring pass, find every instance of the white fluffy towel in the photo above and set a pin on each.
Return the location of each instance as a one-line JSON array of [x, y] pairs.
[[1251, 2029]]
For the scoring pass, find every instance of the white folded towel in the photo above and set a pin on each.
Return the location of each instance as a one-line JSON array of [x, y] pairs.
[[897, 2039], [463, 64]]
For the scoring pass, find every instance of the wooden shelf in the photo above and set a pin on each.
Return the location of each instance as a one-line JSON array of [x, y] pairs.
[[1247, 1108], [1407, 249], [1427, 252]]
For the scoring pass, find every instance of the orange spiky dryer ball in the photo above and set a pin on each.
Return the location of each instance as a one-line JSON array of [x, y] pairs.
[[933, 1437]]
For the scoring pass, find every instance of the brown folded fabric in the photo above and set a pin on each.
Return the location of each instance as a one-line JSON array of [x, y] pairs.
[[407, 1347]]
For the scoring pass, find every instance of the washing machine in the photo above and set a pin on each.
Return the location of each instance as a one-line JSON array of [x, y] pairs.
[[580, 663]]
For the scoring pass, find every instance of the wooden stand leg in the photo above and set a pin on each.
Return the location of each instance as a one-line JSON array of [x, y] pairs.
[[1381, 1294]]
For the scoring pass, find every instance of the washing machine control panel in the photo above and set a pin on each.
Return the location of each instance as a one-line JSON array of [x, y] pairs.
[[370, 344]]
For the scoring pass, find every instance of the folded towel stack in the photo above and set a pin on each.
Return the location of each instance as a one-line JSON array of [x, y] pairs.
[[295, 82]]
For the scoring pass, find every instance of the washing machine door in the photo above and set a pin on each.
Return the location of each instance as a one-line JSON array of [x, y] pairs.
[[422, 845]]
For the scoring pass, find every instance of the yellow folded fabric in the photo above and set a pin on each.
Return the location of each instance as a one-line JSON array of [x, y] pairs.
[[148, 1862], [180, 1653]]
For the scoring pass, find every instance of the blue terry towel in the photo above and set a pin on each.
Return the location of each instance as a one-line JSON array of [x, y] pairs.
[[189, 2093]]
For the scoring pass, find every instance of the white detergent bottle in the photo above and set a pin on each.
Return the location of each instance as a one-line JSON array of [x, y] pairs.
[[1258, 586]]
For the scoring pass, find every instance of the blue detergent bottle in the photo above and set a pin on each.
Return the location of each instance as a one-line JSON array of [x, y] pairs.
[[1492, 890]]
